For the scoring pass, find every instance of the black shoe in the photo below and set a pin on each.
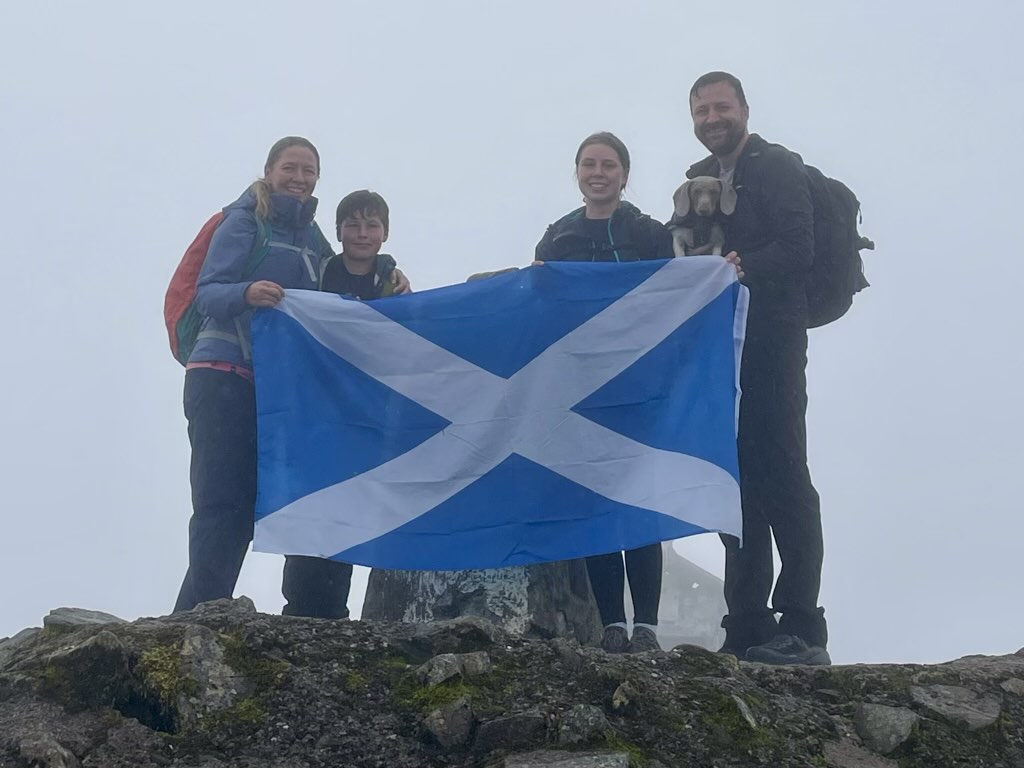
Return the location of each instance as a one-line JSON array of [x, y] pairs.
[[789, 649], [643, 640], [615, 640]]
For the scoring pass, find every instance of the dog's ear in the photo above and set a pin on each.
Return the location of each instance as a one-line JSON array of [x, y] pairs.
[[727, 200], [681, 200]]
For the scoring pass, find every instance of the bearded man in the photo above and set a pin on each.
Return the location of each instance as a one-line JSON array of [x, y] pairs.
[[772, 230]]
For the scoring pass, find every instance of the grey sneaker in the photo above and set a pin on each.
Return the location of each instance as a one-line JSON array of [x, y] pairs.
[[615, 640], [643, 640], [789, 649]]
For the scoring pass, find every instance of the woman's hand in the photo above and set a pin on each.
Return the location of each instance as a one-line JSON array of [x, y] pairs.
[[734, 258], [263, 293], [402, 284]]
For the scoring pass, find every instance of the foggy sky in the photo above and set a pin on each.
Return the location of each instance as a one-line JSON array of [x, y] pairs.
[[126, 125]]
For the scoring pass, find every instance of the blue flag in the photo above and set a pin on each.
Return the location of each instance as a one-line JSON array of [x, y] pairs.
[[559, 411]]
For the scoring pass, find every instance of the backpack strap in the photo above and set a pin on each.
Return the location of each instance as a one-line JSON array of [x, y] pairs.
[[260, 247], [643, 239]]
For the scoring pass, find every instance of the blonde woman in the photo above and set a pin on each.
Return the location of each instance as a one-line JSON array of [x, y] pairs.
[[267, 242]]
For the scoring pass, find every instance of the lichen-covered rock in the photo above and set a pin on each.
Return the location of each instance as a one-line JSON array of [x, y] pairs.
[[474, 664], [582, 724], [515, 732], [214, 685], [65, 618], [89, 672], [546, 600], [452, 724], [240, 604], [463, 635], [10, 645], [884, 728], [445, 666], [550, 759], [1014, 685], [44, 751], [223, 686], [439, 669], [958, 703], [848, 755], [744, 709]]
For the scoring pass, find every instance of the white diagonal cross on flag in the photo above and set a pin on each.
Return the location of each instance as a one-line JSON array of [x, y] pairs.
[[492, 417]]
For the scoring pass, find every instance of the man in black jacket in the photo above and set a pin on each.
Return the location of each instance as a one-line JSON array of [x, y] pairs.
[[772, 230]]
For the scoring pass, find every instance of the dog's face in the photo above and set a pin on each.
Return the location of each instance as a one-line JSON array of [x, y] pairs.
[[704, 195]]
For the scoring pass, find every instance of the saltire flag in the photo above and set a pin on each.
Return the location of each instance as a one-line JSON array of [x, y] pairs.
[[559, 411]]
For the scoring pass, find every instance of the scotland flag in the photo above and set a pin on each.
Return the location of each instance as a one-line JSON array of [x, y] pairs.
[[563, 410]]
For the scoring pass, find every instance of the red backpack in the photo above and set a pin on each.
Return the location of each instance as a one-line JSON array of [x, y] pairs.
[[181, 317]]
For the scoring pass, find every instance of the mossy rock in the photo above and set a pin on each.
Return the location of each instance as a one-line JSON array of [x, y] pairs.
[[638, 756], [262, 671], [727, 727], [91, 675]]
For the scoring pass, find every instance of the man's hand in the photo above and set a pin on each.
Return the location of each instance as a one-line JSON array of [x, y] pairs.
[[734, 258], [401, 284], [263, 293]]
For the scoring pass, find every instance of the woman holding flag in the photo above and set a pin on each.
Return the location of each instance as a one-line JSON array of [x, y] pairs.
[[607, 228], [274, 218]]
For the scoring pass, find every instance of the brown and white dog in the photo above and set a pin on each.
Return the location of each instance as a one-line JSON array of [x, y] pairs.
[[695, 224]]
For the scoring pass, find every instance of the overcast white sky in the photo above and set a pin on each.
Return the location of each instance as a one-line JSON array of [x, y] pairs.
[[126, 124]]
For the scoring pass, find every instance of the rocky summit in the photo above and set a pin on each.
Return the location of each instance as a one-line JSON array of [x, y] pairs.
[[226, 686]]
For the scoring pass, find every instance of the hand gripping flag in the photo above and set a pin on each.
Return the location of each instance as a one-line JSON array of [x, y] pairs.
[[559, 411]]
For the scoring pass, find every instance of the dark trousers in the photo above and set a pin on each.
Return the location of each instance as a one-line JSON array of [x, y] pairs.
[[221, 411], [607, 580], [778, 498]]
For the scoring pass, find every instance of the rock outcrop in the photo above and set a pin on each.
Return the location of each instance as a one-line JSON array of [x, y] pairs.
[[224, 685], [547, 601], [537, 601]]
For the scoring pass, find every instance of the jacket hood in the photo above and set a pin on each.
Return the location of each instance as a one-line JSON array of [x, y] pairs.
[[287, 212]]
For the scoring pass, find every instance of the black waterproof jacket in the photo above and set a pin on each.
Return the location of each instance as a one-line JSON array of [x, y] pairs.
[[337, 279], [772, 230], [633, 236]]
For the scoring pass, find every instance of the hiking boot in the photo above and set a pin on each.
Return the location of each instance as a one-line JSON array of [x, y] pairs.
[[644, 639], [615, 640], [789, 649]]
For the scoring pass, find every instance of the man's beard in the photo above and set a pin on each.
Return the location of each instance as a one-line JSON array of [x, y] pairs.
[[729, 141]]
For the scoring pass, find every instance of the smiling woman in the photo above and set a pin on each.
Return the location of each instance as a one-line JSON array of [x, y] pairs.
[[266, 243], [607, 228]]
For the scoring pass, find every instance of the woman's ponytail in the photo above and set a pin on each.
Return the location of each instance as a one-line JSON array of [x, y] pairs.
[[261, 189]]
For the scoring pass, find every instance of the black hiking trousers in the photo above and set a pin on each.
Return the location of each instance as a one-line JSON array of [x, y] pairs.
[[607, 575], [221, 411], [778, 499]]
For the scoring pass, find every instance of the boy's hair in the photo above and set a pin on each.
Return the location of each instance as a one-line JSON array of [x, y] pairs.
[[364, 202]]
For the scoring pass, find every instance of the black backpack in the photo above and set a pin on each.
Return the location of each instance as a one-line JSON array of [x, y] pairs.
[[837, 272]]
